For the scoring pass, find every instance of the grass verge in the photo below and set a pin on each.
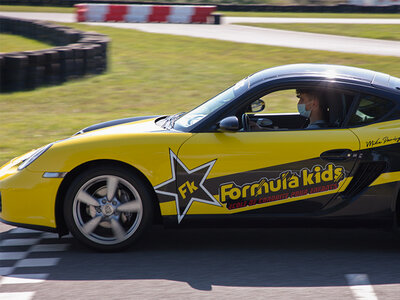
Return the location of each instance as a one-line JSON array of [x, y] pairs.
[[309, 15], [373, 31], [149, 74], [11, 43], [52, 9]]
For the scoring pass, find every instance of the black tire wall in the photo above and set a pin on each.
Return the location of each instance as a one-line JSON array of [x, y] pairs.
[[77, 53]]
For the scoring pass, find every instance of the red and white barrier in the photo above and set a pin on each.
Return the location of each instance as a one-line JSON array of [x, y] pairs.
[[143, 13], [96, 12], [138, 13], [116, 13]]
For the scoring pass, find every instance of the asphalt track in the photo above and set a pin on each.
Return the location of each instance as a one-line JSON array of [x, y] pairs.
[[229, 264], [327, 264], [254, 35]]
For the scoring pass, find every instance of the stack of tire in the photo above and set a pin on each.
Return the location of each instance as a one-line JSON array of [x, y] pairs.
[[76, 54]]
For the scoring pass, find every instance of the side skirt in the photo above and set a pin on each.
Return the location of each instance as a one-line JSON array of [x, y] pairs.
[[33, 227]]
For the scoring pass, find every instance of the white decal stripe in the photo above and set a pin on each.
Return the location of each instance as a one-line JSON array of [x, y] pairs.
[[48, 247], [12, 255], [23, 278], [17, 296], [361, 287], [19, 242], [6, 270], [24, 230], [37, 262], [50, 235], [7, 276]]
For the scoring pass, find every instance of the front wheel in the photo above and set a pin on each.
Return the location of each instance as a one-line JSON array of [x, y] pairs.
[[107, 208]]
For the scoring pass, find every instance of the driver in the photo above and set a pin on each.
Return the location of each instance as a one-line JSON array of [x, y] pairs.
[[312, 107]]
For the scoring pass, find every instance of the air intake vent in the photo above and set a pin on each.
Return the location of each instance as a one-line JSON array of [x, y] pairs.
[[366, 173]]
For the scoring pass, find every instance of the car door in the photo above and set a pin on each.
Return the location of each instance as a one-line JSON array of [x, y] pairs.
[[281, 172]]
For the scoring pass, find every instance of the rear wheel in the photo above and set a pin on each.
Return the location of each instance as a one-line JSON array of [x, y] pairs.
[[107, 208]]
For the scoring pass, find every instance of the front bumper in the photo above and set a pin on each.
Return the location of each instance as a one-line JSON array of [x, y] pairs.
[[27, 198]]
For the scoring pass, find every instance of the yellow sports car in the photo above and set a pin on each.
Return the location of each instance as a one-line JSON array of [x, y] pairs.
[[332, 158]]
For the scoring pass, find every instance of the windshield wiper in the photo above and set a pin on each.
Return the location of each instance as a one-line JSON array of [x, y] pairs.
[[170, 120]]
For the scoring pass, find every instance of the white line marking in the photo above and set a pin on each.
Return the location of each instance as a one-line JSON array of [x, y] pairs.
[[17, 296], [12, 255], [24, 230], [49, 235], [19, 242], [361, 287], [6, 270], [23, 278], [37, 262], [48, 247]]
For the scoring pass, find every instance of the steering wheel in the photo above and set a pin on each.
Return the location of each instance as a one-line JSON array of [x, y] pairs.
[[245, 122]]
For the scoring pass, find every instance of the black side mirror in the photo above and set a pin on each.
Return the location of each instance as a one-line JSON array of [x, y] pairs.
[[256, 106], [229, 124]]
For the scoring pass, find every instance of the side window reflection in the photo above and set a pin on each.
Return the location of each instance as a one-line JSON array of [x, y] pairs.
[[369, 110], [299, 108]]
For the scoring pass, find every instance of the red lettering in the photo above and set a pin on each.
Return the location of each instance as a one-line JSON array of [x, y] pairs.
[[299, 193], [252, 202], [262, 200], [237, 205]]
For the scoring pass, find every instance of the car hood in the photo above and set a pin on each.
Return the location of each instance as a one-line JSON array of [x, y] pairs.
[[134, 124]]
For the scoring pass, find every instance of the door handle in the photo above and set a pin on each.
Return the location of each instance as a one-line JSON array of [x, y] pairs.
[[337, 154]]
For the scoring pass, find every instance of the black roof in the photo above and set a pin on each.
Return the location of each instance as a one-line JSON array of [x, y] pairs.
[[327, 71]]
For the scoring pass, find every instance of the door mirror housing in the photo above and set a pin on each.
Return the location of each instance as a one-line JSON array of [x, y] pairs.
[[229, 124]]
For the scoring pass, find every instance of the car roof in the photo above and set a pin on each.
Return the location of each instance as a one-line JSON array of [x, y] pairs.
[[326, 71]]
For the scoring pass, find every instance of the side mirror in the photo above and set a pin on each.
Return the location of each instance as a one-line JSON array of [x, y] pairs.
[[229, 124], [256, 106]]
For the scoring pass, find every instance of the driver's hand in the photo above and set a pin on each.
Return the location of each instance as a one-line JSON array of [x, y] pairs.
[[253, 126]]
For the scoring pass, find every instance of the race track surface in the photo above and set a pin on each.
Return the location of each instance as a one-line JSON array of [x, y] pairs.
[[327, 264], [253, 35]]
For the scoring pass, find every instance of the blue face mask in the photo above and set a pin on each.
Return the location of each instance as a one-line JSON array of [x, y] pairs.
[[303, 111]]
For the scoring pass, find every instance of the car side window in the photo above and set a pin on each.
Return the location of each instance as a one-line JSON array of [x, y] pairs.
[[281, 110], [370, 109]]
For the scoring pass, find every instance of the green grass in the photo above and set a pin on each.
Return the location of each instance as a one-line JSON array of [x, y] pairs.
[[21, 8], [149, 74], [12, 43], [309, 15], [375, 31]]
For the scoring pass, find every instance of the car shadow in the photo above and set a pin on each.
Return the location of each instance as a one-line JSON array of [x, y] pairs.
[[243, 257]]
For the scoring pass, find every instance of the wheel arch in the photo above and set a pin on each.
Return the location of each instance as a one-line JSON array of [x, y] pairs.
[[61, 193]]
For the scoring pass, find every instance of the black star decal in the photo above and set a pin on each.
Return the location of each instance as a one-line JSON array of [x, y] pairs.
[[187, 186]]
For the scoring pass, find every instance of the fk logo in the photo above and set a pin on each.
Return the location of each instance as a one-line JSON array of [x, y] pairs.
[[187, 187]]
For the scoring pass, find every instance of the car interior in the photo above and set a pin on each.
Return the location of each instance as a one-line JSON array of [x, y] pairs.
[[264, 114]]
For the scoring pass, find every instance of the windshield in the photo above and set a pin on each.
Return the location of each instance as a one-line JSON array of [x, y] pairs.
[[200, 112]]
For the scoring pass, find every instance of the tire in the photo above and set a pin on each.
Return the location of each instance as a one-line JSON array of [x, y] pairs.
[[15, 67], [104, 221]]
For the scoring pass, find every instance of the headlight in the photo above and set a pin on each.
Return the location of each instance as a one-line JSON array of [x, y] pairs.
[[35, 155]]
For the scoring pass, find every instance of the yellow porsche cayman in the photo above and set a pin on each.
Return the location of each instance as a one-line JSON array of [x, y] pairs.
[[333, 158]]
